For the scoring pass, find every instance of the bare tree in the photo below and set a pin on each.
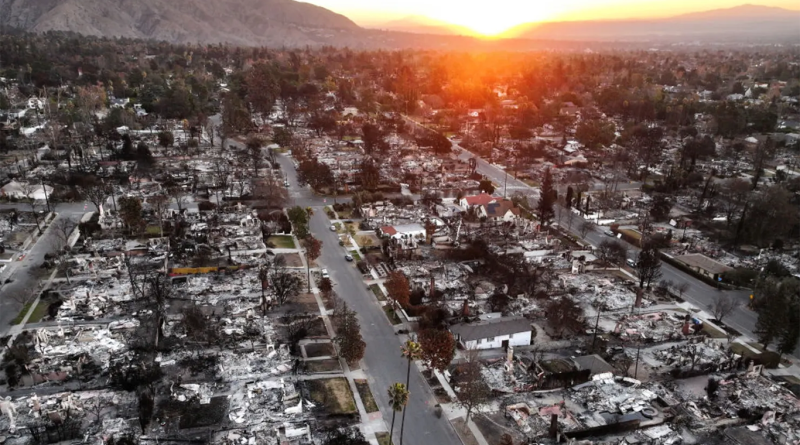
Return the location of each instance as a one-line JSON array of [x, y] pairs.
[[470, 388], [723, 305], [648, 266], [222, 173], [61, 230], [95, 193], [29, 189], [586, 227], [179, 195], [159, 203], [612, 252], [681, 288]]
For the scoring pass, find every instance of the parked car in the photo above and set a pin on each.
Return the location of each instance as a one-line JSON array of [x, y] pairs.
[[630, 262], [609, 232], [348, 257], [333, 227], [325, 273]]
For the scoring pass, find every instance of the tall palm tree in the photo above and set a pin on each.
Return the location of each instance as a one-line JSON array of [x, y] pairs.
[[398, 398], [411, 350]]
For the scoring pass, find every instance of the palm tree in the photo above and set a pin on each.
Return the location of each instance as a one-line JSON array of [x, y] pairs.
[[398, 398], [411, 351]]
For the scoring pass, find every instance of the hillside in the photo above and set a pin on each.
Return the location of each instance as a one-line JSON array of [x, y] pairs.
[[246, 22], [745, 23], [423, 25]]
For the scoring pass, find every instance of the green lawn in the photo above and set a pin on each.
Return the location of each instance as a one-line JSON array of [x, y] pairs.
[[356, 255], [713, 332], [741, 349], [152, 230], [391, 315], [282, 241], [378, 292], [36, 316]]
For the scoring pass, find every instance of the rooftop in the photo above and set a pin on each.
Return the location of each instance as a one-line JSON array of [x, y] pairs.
[[491, 328], [703, 262]]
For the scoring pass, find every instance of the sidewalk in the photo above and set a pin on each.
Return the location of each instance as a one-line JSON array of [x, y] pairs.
[[371, 423]]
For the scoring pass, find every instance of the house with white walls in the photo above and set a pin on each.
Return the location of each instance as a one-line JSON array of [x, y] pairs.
[[499, 332]]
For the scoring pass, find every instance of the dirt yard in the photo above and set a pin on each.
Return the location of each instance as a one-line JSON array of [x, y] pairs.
[[292, 259], [333, 395], [319, 350], [317, 366]]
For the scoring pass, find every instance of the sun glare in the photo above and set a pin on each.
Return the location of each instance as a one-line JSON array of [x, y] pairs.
[[492, 20]]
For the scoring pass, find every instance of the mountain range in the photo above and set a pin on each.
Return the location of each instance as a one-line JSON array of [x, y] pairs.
[[244, 22], [295, 24], [419, 24], [744, 23]]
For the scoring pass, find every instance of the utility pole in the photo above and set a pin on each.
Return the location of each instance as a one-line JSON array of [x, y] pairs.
[[505, 186], [46, 199], [596, 324]]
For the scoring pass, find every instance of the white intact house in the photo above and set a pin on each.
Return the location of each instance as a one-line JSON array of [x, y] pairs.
[[493, 333], [24, 190], [403, 231]]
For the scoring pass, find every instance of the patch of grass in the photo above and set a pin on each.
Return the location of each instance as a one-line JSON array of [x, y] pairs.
[[39, 312], [346, 213], [333, 394], [22, 313], [391, 315], [378, 292], [740, 349], [356, 255], [366, 396], [713, 332], [282, 241], [152, 230], [329, 365], [383, 438], [789, 378]]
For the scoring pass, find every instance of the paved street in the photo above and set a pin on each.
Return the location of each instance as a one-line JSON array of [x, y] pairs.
[[382, 361], [26, 274]]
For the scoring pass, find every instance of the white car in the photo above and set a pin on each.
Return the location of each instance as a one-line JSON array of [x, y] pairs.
[[333, 227], [325, 273]]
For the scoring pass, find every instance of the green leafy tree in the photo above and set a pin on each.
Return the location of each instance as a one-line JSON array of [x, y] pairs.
[[298, 216], [348, 336], [438, 348]]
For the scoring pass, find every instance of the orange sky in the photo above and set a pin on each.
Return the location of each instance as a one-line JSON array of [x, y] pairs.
[[491, 17]]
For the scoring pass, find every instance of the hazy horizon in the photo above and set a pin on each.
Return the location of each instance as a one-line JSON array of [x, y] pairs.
[[502, 15]]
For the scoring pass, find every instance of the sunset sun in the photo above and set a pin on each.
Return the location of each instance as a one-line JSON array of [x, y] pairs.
[[492, 20]]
